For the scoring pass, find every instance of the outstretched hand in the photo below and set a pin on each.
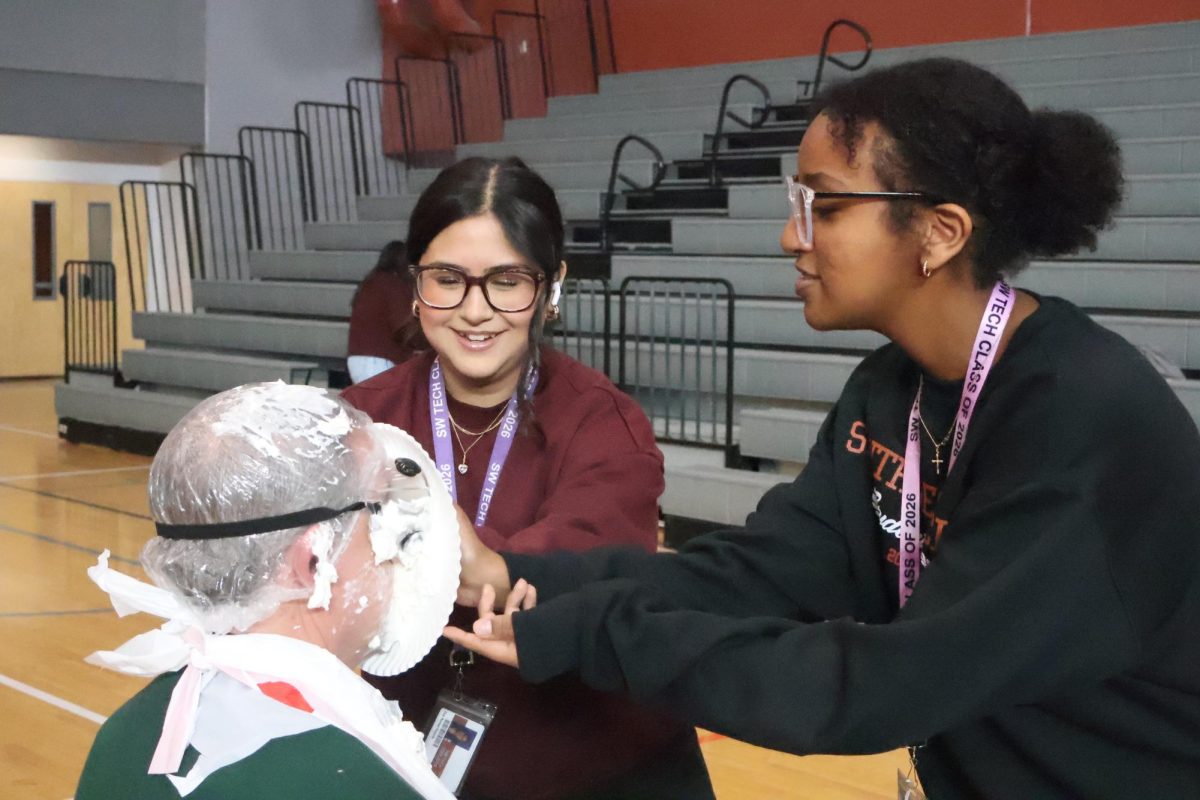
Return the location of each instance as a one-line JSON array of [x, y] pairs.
[[492, 634]]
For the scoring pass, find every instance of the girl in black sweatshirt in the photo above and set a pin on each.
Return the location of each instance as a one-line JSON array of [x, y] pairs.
[[993, 553]]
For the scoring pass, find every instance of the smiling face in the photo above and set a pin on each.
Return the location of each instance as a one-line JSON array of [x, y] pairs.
[[858, 267], [481, 350]]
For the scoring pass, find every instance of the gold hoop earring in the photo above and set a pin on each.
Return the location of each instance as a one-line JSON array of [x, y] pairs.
[[925, 268], [416, 309]]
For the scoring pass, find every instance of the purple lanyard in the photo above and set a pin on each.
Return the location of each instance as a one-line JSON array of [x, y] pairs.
[[987, 342], [443, 450]]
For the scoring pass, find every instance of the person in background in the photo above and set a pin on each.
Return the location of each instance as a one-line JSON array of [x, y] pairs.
[[992, 554], [543, 453], [380, 314]]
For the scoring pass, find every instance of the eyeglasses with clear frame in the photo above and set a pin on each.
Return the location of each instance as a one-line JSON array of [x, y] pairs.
[[801, 198], [507, 289]]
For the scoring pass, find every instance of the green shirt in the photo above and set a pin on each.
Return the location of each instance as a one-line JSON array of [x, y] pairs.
[[322, 763]]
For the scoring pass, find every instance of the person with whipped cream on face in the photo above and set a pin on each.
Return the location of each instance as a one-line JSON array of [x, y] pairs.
[[297, 541]]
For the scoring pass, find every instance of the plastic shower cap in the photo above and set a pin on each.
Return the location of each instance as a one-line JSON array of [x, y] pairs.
[[259, 450]]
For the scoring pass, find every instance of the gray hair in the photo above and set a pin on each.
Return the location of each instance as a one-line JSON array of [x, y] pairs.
[[259, 450]]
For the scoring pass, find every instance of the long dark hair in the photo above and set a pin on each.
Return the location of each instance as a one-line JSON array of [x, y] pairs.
[[528, 213], [1036, 183], [391, 259]]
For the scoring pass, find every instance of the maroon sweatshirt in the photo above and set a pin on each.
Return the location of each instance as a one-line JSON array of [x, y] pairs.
[[593, 480], [379, 313]]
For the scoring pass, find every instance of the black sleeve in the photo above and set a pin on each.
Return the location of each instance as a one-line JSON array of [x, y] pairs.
[[846, 687], [791, 559]]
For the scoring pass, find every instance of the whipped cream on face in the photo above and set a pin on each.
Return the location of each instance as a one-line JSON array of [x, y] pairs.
[[325, 572]]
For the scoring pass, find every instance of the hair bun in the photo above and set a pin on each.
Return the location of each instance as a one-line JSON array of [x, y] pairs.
[[1075, 182]]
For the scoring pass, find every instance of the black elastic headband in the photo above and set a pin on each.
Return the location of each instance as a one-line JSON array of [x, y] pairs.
[[249, 527]]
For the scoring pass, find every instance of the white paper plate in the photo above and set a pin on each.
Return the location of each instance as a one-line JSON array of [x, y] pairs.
[[425, 576]]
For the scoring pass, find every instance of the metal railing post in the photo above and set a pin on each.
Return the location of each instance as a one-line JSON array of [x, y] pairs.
[[714, 177], [89, 290], [591, 29], [537, 17], [673, 334], [609, 199], [815, 84]]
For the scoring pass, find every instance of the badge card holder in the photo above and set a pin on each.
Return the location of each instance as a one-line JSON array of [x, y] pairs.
[[456, 727], [907, 787]]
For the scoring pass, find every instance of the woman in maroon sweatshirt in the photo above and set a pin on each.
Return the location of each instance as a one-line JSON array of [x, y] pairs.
[[542, 453], [380, 313]]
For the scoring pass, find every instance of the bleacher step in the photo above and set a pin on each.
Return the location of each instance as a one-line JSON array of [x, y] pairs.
[[692, 118], [369, 236], [290, 298], [584, 147], [779, 433], [1101, 44], [214, 371], [716, 494], [1173, 286], [1130, 239], [1174, 84], [156, 412], [1145, 196], [345, 266], [292, 337]]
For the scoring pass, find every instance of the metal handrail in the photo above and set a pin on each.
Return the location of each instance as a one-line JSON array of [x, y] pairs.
[[354, 99], [612, 51], [273, 203], [612, 47], [456, 121], [167, 250], [329, 177], [660, 170], [814, 86], [591, 26], [714, 177], [406, 122], [501, 56], [623, 338], [541, 43], [221, 226], [572, 312], [90, 339]]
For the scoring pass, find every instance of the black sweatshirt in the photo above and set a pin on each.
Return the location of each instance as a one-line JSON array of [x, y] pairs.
[[1052, 645]]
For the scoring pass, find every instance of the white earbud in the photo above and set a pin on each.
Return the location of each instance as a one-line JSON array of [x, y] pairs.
[[555, 292]]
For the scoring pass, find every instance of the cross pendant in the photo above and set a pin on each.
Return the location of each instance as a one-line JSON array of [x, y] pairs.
[[937, 460]]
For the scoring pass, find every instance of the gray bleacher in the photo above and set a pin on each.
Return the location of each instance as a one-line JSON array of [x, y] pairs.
[[288, 319]]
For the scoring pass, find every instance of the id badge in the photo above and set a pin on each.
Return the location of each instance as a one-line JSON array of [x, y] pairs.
[[456, 729], [907, 788]]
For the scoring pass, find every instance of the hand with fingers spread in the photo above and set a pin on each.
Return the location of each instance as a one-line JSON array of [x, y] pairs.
[[482, 567], [492, 635]]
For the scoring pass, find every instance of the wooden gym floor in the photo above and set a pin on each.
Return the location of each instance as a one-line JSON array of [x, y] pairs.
[[61, 504]]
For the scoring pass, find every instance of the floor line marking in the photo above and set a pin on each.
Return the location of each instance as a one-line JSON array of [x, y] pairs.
[[51, 540], [28, 432], [66, 499], [69, 613], [71, 473], [46, 697]]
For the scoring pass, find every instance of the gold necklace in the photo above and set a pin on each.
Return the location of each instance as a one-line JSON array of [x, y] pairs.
[[454, 426], [937, 446]]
